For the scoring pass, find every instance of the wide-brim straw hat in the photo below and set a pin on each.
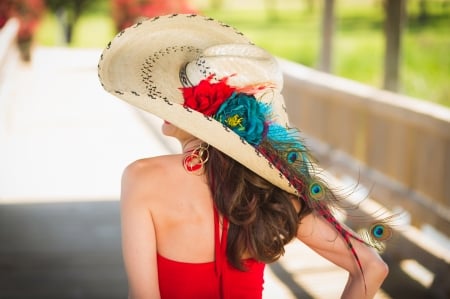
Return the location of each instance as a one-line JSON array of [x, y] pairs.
[[147, 64]]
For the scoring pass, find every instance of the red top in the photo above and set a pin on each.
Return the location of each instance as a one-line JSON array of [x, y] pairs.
[[211, 280]]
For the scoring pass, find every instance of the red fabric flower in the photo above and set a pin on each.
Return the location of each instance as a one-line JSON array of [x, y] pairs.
[[206, 97]]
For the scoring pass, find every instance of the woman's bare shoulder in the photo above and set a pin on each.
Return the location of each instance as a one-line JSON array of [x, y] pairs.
[[144, 177], [150, 166]]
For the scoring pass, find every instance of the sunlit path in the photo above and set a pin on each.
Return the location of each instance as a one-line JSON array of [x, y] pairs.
[[62, 136]]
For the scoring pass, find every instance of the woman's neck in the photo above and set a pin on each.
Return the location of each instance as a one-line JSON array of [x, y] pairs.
[[190, 144]]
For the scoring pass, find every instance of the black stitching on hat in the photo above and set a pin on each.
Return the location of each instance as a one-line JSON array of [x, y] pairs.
[[168, 102], [108, 45], [227, 26], [187, 109], [118, 92], [243, 140], [135, 93], [204, 69], [150, 62], [209, 118], [153, 59]]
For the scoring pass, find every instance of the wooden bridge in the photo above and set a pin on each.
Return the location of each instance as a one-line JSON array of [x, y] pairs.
[[64, 143]]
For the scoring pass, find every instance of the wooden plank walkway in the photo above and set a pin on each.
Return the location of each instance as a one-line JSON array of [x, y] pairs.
[[64, 143]]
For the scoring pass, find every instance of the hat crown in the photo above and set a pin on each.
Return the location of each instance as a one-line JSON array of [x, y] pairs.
[[243, 64]]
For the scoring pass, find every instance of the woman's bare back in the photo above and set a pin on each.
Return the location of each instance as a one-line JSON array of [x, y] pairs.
[[180, 206]]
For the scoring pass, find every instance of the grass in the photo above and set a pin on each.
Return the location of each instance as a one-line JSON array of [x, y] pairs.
[[295, 35], [99, 35]]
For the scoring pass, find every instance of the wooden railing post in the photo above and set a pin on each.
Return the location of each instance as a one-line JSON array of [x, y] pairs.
[[393, 24]]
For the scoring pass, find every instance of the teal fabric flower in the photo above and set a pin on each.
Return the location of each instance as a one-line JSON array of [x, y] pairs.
[[243, 114]]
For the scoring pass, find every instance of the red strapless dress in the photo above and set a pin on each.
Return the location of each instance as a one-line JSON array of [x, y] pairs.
[[211, 280]]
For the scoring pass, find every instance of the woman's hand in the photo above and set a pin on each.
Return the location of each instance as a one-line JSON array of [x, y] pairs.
[[321, 237]]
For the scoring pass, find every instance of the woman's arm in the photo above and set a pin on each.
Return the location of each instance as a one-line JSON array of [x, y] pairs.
[[138, 234], [320, 236]]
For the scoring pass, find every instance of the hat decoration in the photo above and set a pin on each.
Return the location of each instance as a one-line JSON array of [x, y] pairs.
[[206, 78], [239, 110]]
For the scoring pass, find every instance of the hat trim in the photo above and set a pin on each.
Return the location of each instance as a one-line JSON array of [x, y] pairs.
[[179, 115]]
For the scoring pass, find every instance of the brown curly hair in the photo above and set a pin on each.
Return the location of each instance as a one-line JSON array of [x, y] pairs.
[[262, 217]]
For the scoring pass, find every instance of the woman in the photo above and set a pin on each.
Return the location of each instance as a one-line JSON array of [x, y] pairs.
[[203, 223]]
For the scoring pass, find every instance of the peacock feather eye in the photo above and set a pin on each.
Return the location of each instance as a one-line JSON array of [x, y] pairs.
[[380, 232], [316, 190], [292, 157]]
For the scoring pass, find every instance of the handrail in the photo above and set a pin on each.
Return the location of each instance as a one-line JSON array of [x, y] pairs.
[[8, 48], [402, 143], [7, 40]]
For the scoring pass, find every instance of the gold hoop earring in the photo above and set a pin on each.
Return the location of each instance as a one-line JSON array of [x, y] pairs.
[[194, 161]]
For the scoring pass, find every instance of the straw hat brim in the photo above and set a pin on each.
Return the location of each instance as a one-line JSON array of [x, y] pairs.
[[142, 64]]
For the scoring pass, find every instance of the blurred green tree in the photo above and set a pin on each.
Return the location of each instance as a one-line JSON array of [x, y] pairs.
[[68, 12]]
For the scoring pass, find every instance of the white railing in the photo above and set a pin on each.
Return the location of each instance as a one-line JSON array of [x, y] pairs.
[[8, 48], [398, 145]]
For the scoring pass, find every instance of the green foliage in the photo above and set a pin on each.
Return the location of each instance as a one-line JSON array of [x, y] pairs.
[[359, 43], [76, 5], [95, 36], [92, 28], [295, 35]]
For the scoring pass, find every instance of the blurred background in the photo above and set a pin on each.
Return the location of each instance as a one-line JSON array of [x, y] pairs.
[[288, 28], [367, 81]]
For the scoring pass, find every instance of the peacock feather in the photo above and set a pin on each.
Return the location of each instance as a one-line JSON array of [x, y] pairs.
[[311, 189], [253, 120]]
